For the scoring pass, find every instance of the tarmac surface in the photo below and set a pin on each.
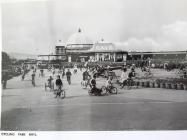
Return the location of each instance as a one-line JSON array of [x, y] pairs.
[[27, 108]]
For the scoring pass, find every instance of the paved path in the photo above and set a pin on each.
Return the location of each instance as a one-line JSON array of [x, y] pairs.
[[28, 108]]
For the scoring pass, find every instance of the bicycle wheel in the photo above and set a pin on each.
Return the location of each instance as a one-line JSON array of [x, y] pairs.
[[128, 85], [62, 94], [103, 90], [90, 92], [114, 90]]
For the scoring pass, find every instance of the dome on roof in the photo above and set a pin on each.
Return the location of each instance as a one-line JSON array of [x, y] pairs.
[[79, 41]]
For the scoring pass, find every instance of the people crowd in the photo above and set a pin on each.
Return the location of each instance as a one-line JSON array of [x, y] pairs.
[[90, 74]]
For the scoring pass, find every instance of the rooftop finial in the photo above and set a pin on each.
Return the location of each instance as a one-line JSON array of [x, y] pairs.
[[79, 30]]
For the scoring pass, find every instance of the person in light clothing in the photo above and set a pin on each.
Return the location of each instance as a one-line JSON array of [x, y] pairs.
[[124, 77]]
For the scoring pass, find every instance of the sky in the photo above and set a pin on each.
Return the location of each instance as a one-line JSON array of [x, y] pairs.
[[134, 25]]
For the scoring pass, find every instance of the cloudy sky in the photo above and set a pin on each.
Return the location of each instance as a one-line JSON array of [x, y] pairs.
[[33, 26]]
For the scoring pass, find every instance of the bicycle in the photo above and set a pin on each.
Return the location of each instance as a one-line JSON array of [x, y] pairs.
[[96, 91], [50, 85], [60, 92], [129, 83], [111, 89], [85, 83]]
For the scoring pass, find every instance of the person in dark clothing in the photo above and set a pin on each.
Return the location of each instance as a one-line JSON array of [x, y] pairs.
[[5, 78], [85, 75], [59, 85], [131, 74], [58, 82], [68, 75], [33, 79], [94, 89], [63, 72], [130, 77]]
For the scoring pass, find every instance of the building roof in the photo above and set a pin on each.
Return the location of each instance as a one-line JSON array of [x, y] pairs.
[[79, 41], [159, 52], [104, 47]]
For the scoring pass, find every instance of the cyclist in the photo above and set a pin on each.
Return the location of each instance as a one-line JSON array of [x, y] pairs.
[[68, 75], [130, 77], [59, 85], [94, 89], [124, 77], [108, 83], [50, 79]]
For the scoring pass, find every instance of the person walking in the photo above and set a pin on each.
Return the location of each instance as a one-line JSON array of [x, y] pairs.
[[5, 78], [63, 72], [23, 75], [85, 75], [59, 85], [68, 75], [33, 79]]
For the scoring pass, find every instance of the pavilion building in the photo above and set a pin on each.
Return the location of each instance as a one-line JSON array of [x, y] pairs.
[[80, 48], [77, 46], [107, 51]]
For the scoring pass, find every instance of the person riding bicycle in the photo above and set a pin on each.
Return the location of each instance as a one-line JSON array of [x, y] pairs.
[[50, 79], [124, 77], [59, 85], [68, 75], [131, 74], [130, 77], [108, 83], [94, 89]]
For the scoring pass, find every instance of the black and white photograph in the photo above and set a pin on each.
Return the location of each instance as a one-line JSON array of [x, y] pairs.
[[94, 65]]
